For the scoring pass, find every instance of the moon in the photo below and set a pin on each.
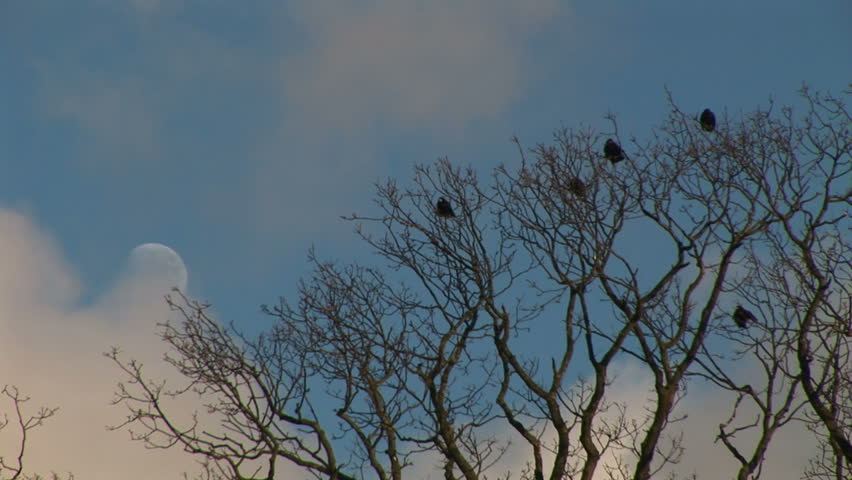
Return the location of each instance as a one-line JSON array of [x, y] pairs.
[[157, 263]]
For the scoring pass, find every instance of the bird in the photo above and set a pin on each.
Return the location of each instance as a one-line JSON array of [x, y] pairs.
[[742, 316], [613, 151], [443, 209], [577, 187], [708, 120]]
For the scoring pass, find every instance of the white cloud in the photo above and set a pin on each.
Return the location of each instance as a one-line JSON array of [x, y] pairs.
[[705, 409], [433, 65]]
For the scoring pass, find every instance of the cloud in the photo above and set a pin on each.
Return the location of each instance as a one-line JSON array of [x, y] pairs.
[[434, 65], [215, 100], [146, 7], [51, 349], [147, 83], [115, 114], [705, 408], [143, 8], [374, 68]]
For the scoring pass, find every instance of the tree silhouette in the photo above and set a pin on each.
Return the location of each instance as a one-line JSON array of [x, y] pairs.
[[506, 329], [14, 467]]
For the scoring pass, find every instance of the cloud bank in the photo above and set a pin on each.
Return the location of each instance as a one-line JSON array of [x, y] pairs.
[[51, 349]]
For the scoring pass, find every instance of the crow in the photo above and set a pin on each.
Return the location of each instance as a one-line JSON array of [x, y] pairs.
[[613, 151], [577, 187], [742, 317], [443, 209], [707, 120]]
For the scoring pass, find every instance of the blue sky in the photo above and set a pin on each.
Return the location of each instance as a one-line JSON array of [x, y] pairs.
[[237, 133]]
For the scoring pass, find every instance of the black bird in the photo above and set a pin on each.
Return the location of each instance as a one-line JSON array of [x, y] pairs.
[[613, 151], [443, 208], [742, 317], [577, 187], [707, 120]]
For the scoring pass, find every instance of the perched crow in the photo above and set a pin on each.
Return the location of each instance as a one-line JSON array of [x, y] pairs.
[[707, 120], [742, 317], [577, 187], [443, 208], [613, 151]]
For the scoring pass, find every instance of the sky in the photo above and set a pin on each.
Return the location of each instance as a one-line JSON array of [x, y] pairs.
[[238, 133]]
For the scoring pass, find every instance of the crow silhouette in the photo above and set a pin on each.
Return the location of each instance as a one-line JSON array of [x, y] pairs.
[[577, 187], [743, 316], [613, 151], [443, 208], [707, 120]]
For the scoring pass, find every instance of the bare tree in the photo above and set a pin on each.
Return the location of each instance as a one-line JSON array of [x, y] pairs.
[[797, 278], [13, 467], [500, 321]]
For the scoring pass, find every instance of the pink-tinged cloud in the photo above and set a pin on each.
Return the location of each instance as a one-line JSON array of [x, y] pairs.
[[51, 349], [415, 65], [703, 409]]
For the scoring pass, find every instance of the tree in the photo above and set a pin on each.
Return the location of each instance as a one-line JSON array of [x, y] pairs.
[[504, 327], [12, 467]]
